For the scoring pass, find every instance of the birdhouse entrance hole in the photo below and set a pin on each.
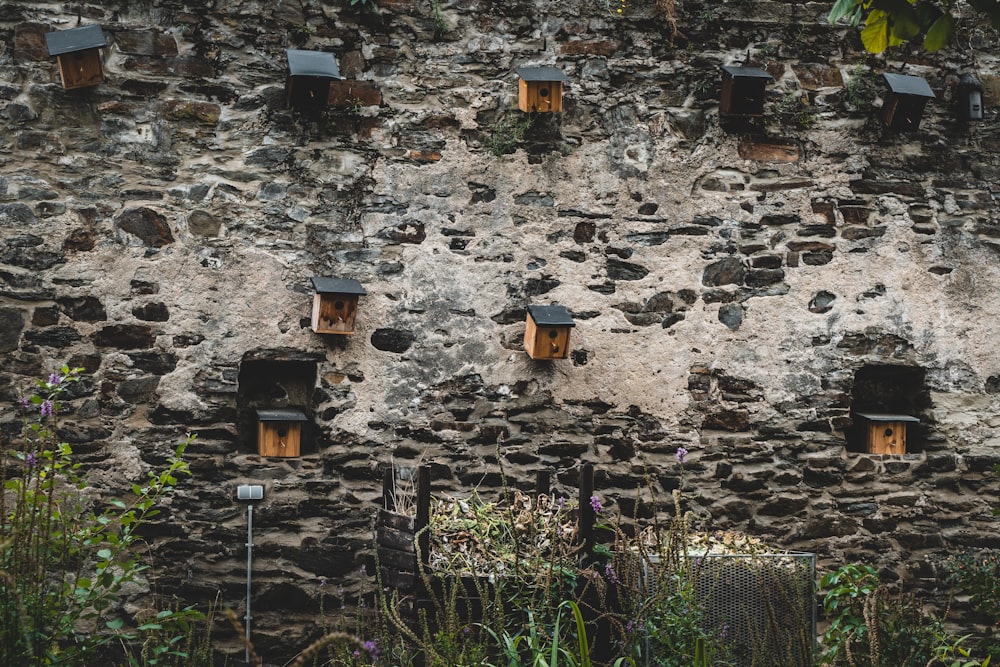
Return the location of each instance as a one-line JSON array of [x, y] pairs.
[[274, 384], [888, 404]]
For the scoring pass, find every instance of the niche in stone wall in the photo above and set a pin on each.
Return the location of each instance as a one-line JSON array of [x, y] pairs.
[[274, 381], [882, 389]]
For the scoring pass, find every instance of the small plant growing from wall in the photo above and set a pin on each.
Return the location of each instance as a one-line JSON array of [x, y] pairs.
[[299, 34], [508, 131], [861, 89], [440, 25], [795, 111], [364, 5]]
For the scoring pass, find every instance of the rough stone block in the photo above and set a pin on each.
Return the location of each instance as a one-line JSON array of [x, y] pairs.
[[29, 42], [204, 113], [350, 94], [589, 47], [146, 43], [770, 150]]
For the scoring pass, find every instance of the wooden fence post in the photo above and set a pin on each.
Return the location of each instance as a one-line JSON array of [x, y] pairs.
[[587, 514], [542, 483], [423, 518], [388, 484]]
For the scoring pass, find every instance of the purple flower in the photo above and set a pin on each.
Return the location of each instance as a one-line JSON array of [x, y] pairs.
[[595, 503], [23, 403], [609, 572], [371, 648], [46, 408], [634, 626], [681, 453], [31, 460], [54, 379]]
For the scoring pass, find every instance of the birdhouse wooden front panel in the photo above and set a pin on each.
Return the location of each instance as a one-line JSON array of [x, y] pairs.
[[539, 96], [744, 97], [279, 432], [334, 313], [546, 342], [903, 112], [546, 333], [80, 69], [307, 92], [886, 437], [279, 438]]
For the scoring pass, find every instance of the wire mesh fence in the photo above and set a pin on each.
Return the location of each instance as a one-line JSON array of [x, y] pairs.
[[759, 609]]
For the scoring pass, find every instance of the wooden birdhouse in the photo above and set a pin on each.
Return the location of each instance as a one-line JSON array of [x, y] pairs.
[[546, 335], [743, 90], [78, 53], [905, 101], [335, 305], [885, 434], [279, 432], [540, 89], [307, 86]]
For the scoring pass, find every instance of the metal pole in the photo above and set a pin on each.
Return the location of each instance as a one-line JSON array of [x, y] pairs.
[[249, 562]]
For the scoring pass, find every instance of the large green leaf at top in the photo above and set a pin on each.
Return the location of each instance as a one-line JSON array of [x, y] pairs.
[[939, 34], [904, 23], [875, 35]]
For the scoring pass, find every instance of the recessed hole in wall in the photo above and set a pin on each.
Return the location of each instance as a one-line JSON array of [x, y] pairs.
[[889, 390], [274, 384]]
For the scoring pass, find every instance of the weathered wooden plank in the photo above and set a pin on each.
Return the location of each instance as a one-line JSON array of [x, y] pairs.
[[423, 518], [401, 540], [401, 581], [398, 521], [403, 560]]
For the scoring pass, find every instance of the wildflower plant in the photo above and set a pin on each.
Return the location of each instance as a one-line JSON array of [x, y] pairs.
[[64, 556]]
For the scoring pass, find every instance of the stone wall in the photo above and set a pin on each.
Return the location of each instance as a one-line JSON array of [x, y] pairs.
[[728, 280]]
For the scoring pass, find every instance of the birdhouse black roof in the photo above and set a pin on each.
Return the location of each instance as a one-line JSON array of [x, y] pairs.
[[312, 63], [551, 316], [281, 416], [903, 84], [969, 80], [541, 74], [739, 72], [74, 39], [879, 417], [337, 286]]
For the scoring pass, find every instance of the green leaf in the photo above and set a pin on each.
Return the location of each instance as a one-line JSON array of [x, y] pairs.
[[842, 8], [875, 35], [104, 554], [904, 23], [115, 624], [115, 502], [939, 34]]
